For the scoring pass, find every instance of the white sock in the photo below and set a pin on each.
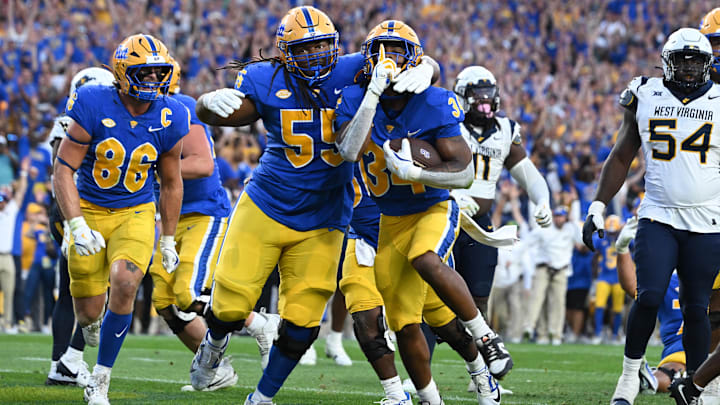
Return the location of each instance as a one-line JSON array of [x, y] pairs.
[[477, 326], [334, 338], [259, 396], [73, 355], [258, 323], [475, 365], [217, 342], [430, 393], [393, 388], [631, 367]]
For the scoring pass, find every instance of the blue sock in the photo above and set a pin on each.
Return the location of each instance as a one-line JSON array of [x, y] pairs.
[[617, 320], [599, 318], [280, 365], [112, 334]]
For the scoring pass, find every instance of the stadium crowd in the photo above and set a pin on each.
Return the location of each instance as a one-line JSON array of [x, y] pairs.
[[560, 66]]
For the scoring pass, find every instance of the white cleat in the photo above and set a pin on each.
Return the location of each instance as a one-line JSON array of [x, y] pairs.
[[91, 333], [309, 358], [648, 381], [96, 392], [407, 400], [711, 394], [224, 377], [337, 353], [495, 354], [503, 391], [266, 336], [206, 363], [487, 388], [66, 372], [626, 390], [408, 386], [250, 401]]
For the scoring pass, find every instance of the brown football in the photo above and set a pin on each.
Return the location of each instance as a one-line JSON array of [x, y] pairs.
[[423, 153]]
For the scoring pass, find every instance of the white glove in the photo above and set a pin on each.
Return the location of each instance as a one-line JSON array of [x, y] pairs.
[[170, 259], [401, 162], [465, 202], [543, 215], [87, 241], [415, 79], [382, 74], [626, 235], [222, 102]]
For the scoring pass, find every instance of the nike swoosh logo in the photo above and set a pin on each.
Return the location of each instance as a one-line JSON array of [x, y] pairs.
[[712, 98], [190, 227], [137, 212], [337, 91], [122, 332], [413, 133], [151, 129]]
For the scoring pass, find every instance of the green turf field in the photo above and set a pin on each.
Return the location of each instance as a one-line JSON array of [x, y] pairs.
[[152, 370]]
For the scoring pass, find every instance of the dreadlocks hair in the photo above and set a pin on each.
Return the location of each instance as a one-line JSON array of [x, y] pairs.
[[299, 87]]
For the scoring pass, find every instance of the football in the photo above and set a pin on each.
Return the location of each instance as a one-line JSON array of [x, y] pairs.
[[423, 153]]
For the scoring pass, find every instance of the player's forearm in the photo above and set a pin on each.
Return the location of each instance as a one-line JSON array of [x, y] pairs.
[[351, 140], [447, 175], [196, 167], [171, 193], [530, 179], [612, 178], [66, 192]]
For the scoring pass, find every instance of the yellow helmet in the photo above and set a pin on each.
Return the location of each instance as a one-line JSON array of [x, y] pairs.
[[136, 54], [710, 27], [391, 31], [612, 224], [174, 87], [302, 25]]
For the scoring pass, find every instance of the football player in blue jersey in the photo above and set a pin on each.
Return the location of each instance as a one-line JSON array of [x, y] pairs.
[[419, 221], [607, 285], [181, 295], [296, 207], [119, 135]]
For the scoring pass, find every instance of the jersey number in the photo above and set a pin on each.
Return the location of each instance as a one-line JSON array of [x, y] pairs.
[[109, 158], [698, 142], [486, 166], [376, 168], [301, 150]]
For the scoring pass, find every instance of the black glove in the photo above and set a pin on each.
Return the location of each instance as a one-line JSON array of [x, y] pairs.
[[587, 232]]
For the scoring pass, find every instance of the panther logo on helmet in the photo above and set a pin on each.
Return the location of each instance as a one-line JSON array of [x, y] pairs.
[[137, 57], [91, 76]]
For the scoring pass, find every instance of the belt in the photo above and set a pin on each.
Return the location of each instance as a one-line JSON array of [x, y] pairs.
[[553, 269]]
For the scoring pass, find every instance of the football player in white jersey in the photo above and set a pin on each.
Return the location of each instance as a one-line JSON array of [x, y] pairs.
[[495, 143], [673, 118]]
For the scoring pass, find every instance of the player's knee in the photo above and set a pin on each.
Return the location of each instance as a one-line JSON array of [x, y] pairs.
[[429, 266], [370, 332], [714, 320], [652, 299], [455, 335], [293, 341], [176, 320], [694, 313], [222, 327]]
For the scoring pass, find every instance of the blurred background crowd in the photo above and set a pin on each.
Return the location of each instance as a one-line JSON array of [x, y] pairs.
[[560, 66]]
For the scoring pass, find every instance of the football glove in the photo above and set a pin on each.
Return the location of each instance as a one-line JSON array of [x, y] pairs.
[[594, 222], [382, 74], [170, 259], [87, 242], [415, 79], [627, 234], [222, 102], [465, 202], [401, 162], [543, 215]]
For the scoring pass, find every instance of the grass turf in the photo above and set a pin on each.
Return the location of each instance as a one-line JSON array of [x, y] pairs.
[[153, 369]]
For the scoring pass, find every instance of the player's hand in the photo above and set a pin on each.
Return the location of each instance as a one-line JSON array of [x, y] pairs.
[[594, 222], [87, 242], [415, 79], [543, 215], [382, 74], [170, 259], [401, 162], [222, 102], [627, 234], [465, 202]]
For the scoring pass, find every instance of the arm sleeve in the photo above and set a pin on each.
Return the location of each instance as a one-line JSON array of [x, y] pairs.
[[530, 179]]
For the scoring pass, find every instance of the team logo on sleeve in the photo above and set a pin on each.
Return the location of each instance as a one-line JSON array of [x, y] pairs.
[[283, 93], [109, 123]]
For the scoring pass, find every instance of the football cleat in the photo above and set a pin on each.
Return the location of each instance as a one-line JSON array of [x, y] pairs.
[[711, 393], [428, 402], [495, 354], [309, 358], [206, 363], [684, 392], [64, 372], [337, 353], [487, 388], [96, 392], [224, 377], [648, 381], [626, 390], [249, 401], [91, 333], [407, 400], [266, 336], [503, 391]]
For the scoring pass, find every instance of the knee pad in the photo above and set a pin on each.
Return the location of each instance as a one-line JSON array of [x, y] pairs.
[[454, 334], [651, 299], [178, 320], [714, 320], [374, 347], [219, 326], [293, 341]]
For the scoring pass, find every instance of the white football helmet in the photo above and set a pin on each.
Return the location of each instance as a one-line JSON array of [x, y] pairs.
[[92, 75], [476, 76], [687, 57]]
